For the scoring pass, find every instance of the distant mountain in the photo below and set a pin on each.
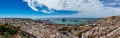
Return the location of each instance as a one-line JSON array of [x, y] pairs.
[[112, 18]]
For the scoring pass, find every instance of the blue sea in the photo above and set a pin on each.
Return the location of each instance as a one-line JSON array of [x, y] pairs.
[[70, 20]]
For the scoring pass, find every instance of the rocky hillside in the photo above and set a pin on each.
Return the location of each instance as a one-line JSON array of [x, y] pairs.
[[8, 31], [108, 27]]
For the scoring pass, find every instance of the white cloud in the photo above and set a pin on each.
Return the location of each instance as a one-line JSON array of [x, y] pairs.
[[87, 8], [31, 4]]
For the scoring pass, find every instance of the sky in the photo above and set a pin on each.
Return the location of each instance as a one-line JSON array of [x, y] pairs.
[[59, 8], [20, 9]]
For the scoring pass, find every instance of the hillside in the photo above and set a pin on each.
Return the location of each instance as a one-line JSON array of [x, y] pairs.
[[108, 27], [8, 31]]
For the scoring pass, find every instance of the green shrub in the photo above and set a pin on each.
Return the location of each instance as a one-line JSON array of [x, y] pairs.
[[7, 30], [7, 35]]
